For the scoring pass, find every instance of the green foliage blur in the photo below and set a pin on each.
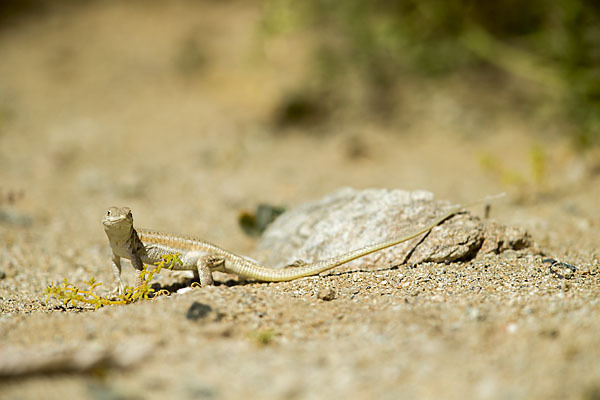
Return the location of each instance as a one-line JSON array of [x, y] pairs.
[[554, 44]]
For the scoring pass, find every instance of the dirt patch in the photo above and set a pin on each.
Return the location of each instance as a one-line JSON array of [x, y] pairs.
[[101, 110]]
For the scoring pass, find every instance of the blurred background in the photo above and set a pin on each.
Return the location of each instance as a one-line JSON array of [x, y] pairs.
[[194, 112], [206, 108]]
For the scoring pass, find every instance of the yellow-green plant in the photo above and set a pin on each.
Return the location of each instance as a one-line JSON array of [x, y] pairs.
[[538, 161], [69, 293], [539, 164], [264, 337]]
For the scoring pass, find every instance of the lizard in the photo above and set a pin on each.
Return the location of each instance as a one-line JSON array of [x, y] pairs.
[[144, 246]]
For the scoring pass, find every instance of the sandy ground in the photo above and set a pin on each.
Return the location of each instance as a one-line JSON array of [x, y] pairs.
[[99, 106]]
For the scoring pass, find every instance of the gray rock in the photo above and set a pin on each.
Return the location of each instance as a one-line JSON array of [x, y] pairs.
[[349, 219]]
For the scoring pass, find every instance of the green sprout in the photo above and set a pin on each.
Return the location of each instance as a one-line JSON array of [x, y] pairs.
[[69, 293], [538, 161], [264, 337], [539, 164]]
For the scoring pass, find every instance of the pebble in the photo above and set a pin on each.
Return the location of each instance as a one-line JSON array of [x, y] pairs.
[[197, 311], [512, 328], [326, 294]]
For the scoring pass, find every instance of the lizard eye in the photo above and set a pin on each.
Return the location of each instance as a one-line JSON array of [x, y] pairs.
[[108, 213]]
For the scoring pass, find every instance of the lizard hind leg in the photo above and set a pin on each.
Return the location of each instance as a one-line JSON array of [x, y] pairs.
[[205, 265]]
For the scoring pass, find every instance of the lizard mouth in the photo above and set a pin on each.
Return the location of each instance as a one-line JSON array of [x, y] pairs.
[[117, 227], [109, 220], [116, 217]]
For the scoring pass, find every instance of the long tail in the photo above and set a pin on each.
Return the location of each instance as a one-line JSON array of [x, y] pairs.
[[262, 273]]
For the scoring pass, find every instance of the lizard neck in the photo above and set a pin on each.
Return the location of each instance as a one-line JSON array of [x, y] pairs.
[[135, 244], [127, 245]]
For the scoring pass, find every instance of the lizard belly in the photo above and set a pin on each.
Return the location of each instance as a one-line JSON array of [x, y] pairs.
[[189, 258]]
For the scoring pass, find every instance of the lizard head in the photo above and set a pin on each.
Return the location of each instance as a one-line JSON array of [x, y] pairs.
[[118, 221]]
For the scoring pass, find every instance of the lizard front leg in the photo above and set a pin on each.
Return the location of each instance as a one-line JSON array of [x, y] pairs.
[[116, 267]]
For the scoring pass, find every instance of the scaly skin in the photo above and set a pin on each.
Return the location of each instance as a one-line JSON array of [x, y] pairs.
[[142, 246]]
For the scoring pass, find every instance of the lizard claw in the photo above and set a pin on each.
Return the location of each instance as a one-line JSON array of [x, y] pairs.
[[116, 292]]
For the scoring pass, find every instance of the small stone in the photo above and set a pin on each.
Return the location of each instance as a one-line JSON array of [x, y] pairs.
[[2, 275], [184, 290], [562, 270], [326, 294], [474, 313], [197, 311], [512, 328], [585, 269], [551, 333]]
